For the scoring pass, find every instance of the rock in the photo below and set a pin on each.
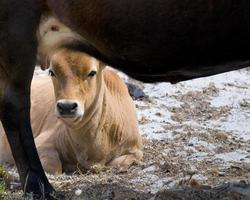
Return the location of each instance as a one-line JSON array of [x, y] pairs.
[[136, 91], [78, 192]]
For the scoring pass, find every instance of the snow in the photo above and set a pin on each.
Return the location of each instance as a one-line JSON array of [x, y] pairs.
[[238, 121], [237, 156], [208, 139], [234, 88]]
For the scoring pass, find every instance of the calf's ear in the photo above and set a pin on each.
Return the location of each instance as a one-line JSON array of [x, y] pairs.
[[102, 65]]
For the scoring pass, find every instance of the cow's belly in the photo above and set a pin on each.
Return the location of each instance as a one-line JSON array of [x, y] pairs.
[[170, 40], [3, 80]]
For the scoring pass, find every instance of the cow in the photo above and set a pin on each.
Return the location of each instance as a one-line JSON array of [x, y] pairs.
[[96, 120], [153, 40]]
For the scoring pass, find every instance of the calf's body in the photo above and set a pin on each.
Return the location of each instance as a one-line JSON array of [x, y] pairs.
[[106, 134]]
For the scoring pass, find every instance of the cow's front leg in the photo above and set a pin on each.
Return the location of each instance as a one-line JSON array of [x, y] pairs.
[[18, 22], [16, 121]]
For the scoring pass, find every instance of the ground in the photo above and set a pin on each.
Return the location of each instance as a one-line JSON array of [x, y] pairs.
[[196, 135]]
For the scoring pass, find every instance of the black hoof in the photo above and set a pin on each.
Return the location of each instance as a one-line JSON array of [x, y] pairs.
[[50, 196], [38, 188]]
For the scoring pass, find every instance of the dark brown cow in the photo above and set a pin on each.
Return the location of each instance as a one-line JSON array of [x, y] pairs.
[[153, 40]]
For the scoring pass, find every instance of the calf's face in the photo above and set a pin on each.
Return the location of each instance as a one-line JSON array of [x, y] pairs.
[[76, 78]]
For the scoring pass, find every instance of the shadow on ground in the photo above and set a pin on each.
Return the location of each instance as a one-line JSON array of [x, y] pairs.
[[227, 191], [108, 192]]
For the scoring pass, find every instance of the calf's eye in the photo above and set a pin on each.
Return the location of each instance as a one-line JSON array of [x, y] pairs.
[[51, 73], [92, 73], [54, 28]]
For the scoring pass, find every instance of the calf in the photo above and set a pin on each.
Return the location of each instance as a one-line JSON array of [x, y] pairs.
[[96, 119]]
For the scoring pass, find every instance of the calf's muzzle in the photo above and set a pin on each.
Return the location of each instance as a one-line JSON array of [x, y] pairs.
[[67, 108]]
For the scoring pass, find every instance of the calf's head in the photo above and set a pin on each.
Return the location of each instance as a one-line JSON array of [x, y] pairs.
[[77, 79]]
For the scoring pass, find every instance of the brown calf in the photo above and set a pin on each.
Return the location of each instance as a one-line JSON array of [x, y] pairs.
[[97, 119]]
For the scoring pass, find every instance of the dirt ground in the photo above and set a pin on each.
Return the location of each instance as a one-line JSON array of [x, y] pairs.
[[196, 136]]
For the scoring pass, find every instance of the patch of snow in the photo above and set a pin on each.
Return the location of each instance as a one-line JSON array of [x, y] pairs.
[[199, 155], [236, 156], [197, 142], [238, 122], [150, 169], [159, 184], [199, 177]]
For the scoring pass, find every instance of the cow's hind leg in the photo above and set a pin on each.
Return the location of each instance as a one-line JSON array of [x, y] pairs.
[[18, 21]]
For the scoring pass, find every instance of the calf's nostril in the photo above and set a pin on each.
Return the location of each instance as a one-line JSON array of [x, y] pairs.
[[60, 106], [74, 106], [66, 107]]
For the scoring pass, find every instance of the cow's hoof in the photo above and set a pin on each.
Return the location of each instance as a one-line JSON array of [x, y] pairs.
[[37, 188], [49, 196]]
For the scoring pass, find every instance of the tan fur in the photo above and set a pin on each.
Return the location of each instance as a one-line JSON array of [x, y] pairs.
[[106, 134]]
